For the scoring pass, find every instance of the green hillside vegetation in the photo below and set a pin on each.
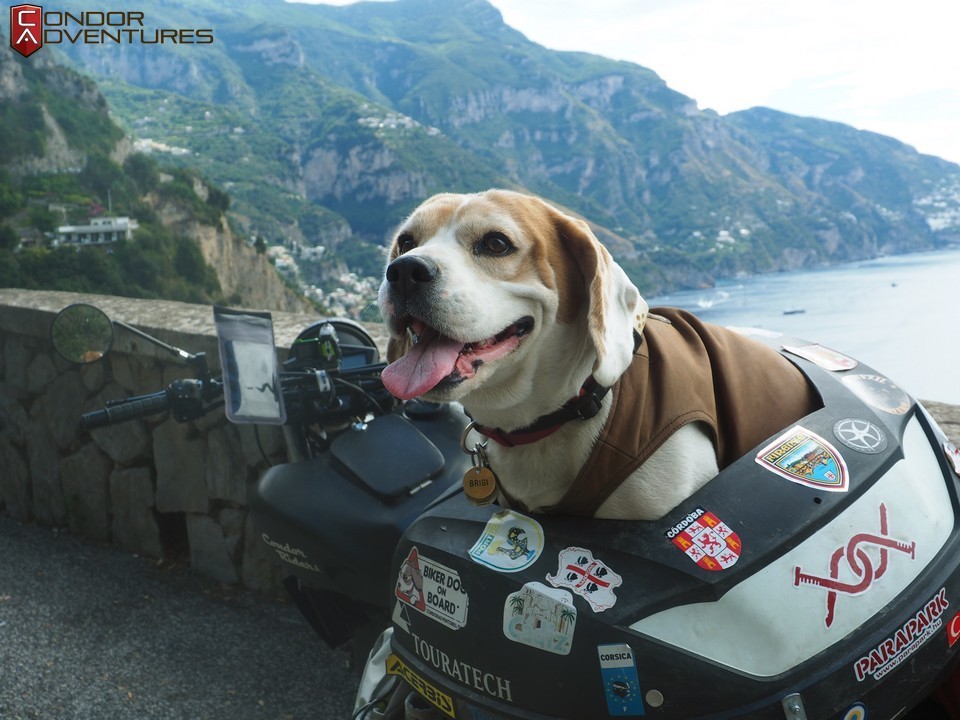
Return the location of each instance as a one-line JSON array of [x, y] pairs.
[[328, 124], [155, 264]]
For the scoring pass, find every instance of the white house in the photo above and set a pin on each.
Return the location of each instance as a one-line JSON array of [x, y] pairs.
[[100, 231]]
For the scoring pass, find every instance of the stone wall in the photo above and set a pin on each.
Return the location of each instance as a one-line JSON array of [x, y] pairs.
[[154, 487]]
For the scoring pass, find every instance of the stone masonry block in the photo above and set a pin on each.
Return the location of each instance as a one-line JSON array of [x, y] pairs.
[[40, 373], [93, 375], [49, 506], [226, 466], [84, 478], [16, 357], [14, 481], [13, 417], [134, 524], [181, 470], [62, 404]]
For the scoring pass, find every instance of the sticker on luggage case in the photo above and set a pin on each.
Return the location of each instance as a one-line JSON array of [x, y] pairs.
[[509, 543], [541, 617], [433, 589], [618, 669], [589, 578], [824, 357], [706, 540], [437, 698], [803, 457]]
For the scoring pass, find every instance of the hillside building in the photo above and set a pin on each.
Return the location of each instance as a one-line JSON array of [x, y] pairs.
[[100, 231]]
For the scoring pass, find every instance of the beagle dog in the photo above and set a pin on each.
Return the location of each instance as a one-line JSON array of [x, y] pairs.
[[505, 304]]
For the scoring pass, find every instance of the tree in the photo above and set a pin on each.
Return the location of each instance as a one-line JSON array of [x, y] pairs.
[[188, 261], [10, 198], [105, 178], [143, 171], [42, 218], [218, 199], [8, 238]]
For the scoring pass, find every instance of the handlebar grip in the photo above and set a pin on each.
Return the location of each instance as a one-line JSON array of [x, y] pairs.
[[130, 409]]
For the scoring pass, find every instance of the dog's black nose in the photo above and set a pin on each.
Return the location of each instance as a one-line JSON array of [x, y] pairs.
[[409, 273]]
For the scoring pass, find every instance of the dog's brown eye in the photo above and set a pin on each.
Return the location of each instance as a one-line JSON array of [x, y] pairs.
[[494, 243], [405, 242]]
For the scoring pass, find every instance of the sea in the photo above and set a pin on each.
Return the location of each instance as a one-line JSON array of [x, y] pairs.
[[898, 314]]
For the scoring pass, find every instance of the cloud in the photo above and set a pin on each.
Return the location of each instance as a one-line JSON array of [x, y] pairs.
[[855, 61]]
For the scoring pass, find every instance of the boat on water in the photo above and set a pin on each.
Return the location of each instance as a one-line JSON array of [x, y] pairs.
[[795, 311]]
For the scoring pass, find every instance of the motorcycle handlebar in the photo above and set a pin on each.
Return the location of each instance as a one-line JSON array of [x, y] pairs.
[[129, 409], [186, 398]]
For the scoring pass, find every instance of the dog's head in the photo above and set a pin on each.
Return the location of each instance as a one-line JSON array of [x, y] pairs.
[[500, 293]]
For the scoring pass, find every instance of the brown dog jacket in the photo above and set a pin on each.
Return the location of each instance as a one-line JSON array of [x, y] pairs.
[[686, 371]]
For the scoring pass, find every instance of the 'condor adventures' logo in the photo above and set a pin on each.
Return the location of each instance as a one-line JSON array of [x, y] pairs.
[[26, 29], [31, 28]]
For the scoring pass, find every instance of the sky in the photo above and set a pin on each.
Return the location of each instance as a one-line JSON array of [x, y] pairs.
[[890, 66]]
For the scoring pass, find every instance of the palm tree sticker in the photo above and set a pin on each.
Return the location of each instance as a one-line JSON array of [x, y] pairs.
[[541, 617]]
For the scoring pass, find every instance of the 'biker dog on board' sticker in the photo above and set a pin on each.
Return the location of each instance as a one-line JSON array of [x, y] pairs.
[[432, 589], [510, 542], [706, 540], [589, 578], [804, 457]]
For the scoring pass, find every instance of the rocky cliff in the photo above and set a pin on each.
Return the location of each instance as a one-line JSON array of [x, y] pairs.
[[363, 110], [246, 277], [72, 156]]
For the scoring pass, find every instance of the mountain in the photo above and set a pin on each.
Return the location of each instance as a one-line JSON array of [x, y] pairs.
[[72, 162], [328, 124]]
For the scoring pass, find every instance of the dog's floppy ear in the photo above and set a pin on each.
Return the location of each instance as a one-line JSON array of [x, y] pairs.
[[615, 307]]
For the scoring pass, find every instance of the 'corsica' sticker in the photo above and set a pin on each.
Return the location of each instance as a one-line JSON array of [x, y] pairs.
[[618, 669], [804, 457]]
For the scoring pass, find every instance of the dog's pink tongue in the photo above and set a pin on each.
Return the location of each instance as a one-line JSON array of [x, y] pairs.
[[427, 363]]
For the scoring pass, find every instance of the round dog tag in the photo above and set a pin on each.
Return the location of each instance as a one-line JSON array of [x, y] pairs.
[[480, 485]]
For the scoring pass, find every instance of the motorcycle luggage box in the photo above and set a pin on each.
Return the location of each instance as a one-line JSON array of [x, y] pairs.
[[830, 581]]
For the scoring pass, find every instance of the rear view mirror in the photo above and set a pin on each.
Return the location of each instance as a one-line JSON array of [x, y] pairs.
[[82, 333]]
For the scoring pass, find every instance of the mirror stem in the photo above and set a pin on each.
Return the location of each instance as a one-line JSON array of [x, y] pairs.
[[169, 348]]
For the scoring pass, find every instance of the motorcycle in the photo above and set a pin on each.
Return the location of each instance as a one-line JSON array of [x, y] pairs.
[[816, 577]]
